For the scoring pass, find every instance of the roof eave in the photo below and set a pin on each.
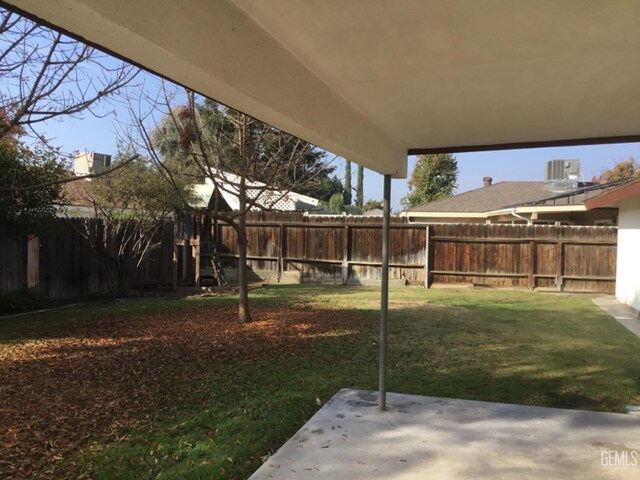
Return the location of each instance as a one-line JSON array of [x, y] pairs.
[[444, 214], [614, 197], [538, 209]]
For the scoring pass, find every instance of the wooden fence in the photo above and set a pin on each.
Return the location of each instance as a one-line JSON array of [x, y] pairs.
[[61, 263], [346, 249], [336, 249]]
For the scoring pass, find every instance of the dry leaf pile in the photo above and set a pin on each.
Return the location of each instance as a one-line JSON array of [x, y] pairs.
[[62, 391]]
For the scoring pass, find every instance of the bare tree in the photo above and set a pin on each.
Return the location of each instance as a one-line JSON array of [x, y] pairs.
[[245, 159], [131, 207], [46, 75]]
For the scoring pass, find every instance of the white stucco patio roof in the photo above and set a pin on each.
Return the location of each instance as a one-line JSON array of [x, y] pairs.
[[374, 81]]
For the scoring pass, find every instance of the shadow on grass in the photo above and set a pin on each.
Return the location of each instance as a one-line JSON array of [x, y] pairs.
[[125, 373], [189, 392]]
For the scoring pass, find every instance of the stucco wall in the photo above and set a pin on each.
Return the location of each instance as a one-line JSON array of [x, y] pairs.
[[628, 266]]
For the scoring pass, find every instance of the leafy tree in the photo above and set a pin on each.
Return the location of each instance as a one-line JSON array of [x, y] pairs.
[[336, 203], [372, 205], [327, 188], [434, 177], [45, 76], [28, 211], [621, 170], [360, 186]]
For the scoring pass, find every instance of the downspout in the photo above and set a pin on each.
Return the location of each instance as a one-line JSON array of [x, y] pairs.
[[528, 220]]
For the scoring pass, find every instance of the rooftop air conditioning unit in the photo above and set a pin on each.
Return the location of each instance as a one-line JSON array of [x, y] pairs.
[[562, 170], [87, 163], [562, 175], [101, 162]]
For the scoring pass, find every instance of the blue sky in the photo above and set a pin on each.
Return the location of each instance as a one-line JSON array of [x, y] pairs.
[[526, 164], [99, 134]]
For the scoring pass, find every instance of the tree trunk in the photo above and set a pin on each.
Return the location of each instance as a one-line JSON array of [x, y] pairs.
[[347, 182], [360, 187], [243, 306]]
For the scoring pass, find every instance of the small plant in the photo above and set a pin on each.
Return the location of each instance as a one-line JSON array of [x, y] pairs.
[[22, 301]]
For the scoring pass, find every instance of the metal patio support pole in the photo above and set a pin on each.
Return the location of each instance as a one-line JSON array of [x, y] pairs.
[[384, 297]]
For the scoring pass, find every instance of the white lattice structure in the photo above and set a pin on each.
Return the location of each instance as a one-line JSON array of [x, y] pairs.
[[264, 199]]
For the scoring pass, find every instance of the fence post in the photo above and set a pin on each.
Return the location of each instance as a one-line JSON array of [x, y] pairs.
[[532, 264], [33, 261], [196, 250], [346, 254], [426, 259], [186, 249], [559, 264], [174, 260], [281, 252]]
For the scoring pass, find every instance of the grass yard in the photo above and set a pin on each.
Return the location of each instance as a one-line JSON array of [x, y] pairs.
[[178, 389]]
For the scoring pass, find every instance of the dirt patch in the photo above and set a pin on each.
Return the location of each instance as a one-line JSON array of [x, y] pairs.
[[62, 392]]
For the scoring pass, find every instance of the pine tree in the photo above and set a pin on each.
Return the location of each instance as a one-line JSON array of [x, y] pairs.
[[347, 182], [360, 187]]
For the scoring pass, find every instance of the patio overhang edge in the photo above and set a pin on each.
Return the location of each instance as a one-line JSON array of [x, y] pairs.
[[292, 94], [329, 121], [525, 145]]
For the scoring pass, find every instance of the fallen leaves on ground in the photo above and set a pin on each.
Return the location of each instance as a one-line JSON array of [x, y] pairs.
[[62, 392]]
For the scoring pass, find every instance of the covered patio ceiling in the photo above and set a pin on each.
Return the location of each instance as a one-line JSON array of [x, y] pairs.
[[374, 81]]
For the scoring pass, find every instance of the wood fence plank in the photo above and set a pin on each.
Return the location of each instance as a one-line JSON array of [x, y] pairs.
[[532, 264], [426, 258]]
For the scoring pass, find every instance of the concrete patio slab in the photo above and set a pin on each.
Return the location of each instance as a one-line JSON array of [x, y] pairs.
[[624, 314], [441, 438]]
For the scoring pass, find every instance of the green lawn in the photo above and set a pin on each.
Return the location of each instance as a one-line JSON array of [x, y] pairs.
[[177, 389]]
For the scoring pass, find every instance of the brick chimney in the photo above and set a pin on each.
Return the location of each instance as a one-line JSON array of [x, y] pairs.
[[487, 181]]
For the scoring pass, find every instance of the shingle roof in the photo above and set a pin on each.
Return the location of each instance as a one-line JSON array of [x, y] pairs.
[[486, 199], [77, 193], [579, 196]]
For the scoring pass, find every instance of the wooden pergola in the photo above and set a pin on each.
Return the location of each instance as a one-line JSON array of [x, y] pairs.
[[379, 80]]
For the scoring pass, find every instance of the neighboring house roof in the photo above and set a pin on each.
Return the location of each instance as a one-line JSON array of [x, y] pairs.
[[486, 199], [77, 193], [76, 199], [264, 197], [375, 212], [612, 197], [576, 197], [509, 197], [571, 201]]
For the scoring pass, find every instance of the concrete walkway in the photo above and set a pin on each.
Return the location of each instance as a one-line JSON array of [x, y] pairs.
[[440, 438], [624, 314]]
